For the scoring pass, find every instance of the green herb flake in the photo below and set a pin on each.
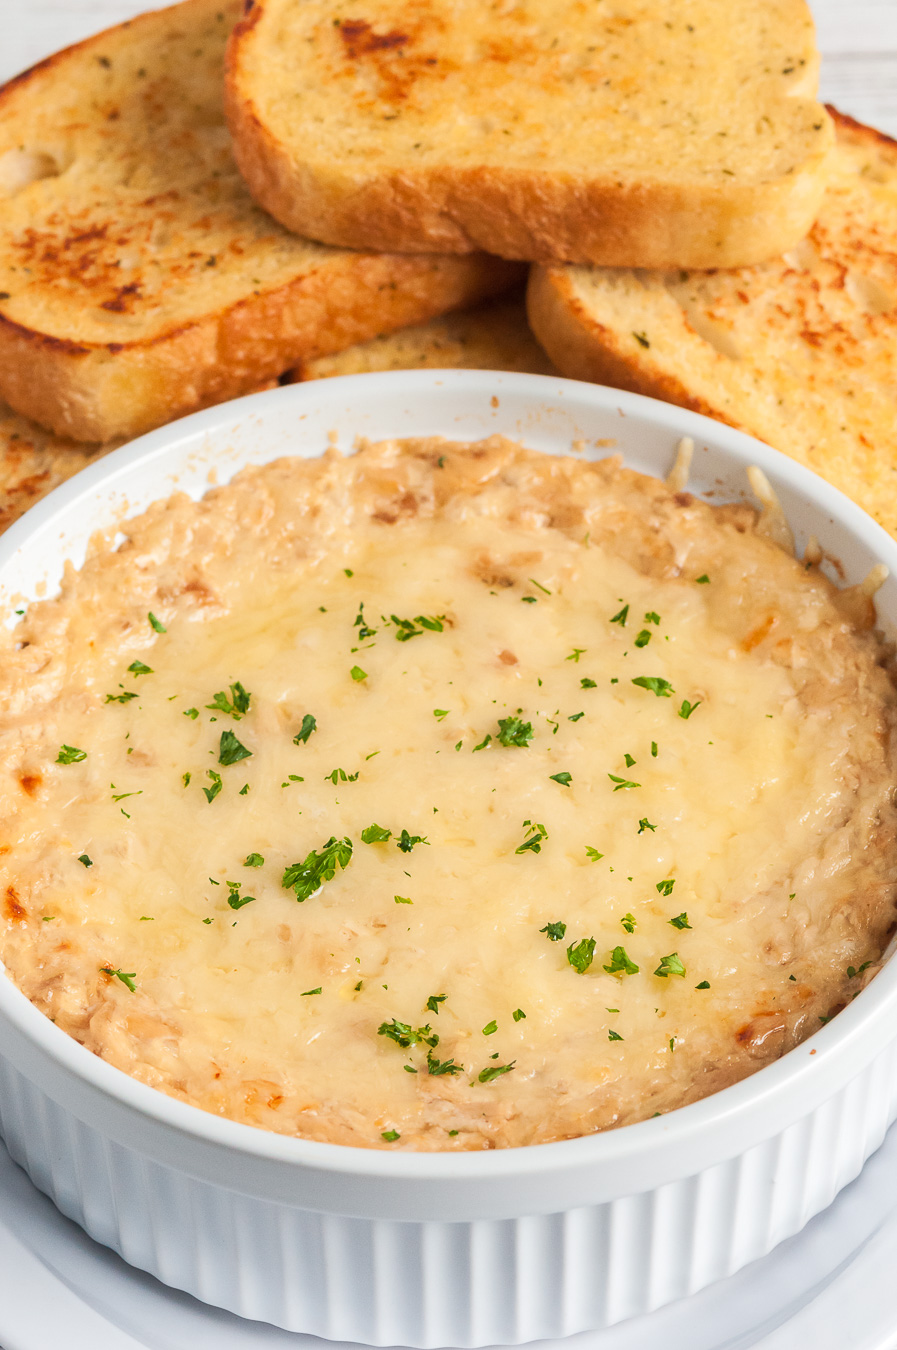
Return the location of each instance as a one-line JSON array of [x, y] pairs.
[[588, 684], [375, 834], [629, 923], [620, 963], [309, 992], [254, 860], [139, 668], [405, 1035], [156, 623], [235, 899], [309, 724], [358, 674], [518, 1015], [390, 1135], [656, 685], [665, 887], [127, 977], [245, 788], [433, 1002], [406, 841], [593, 854], [495, 1071], [581, 954], [614, 1036], [85, 860], [565, 779], [231, 750], [621, 616], [576, 653], [622, 783], [70, 754], [306, 878], [513, 731], [487, 740], [440, 1067], [555, 931], [490, 1028], [121, 698], [348, 572], [235, 706], [703, 580], [681, 921], [185, 778], [538, 585], [212, 792], [705, 984], [687, 708], [335, 776], [439, 713], [532, 843], [645, 824], [191, 712], [670, 965], [530, 599], [402, 900], [643, 638], [575, 717], [641, 339], [852, 972]]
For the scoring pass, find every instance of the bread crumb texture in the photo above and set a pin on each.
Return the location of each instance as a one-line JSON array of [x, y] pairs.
[[478, 851]]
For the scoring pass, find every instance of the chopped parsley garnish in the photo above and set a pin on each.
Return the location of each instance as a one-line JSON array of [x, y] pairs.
[[670, 965], [581, 954], [358, 674], [565, 779], [588, 684], [439, 713], [309, 724], [702, 580], [852, 972], [495, 1071], [614, 1036], [307, 877], [530, 599], [231, 750], [127, 977], [139, 668], [681, 921], [705, 984], [375, 834], [363, 630], [405, 1035], [434, 1001], [236, 706], [70, 754], [645, 824], [687, 708], [594, 855], [665, 887], [348, 572], [539, 586], [622, 782], [643, 637], [621, 616], [308, 992], [651, 617], [490, 1028], [85, 860], [156, 623], [254, 860], [653, 749], [402, 900], [440, 1067], [532, 843], [185, 778], [555, 931], [407, 841], [629, 760], [191, 712], [518, 1015], [340, 776], [122, 698], [390, 1136], [575, 717], [656, 685], [235, 899], [576, 653], [628, 922], [487, 740], [244, 789], [620, 963], [514, 731], [406, 630]]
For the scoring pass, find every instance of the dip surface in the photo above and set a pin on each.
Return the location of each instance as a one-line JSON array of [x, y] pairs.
[[444, 797]]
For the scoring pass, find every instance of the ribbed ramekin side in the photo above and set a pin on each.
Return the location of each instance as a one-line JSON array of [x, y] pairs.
[[434, 1283]]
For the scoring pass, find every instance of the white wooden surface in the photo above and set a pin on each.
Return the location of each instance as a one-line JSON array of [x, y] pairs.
[[858, 40]]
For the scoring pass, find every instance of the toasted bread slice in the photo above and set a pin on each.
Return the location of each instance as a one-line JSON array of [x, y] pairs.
[[636, 133], [138, 279], [33, 462], [491, 336], [800, 352]]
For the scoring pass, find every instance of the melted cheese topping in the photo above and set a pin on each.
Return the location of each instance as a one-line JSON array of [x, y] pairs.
[[630, 763]]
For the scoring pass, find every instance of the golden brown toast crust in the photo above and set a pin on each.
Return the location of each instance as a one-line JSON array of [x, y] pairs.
[[515, 208], [138, 280], [800, 352]]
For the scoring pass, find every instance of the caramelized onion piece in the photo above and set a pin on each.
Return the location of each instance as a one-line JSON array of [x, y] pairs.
[[677, 478]]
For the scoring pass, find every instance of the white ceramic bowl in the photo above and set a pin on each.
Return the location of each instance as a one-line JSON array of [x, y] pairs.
[[436, 1249]]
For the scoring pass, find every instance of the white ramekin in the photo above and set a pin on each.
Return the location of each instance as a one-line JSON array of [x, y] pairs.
[[466, 1249]]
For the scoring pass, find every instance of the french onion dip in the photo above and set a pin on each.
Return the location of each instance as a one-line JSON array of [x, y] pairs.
[[445, 796]]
